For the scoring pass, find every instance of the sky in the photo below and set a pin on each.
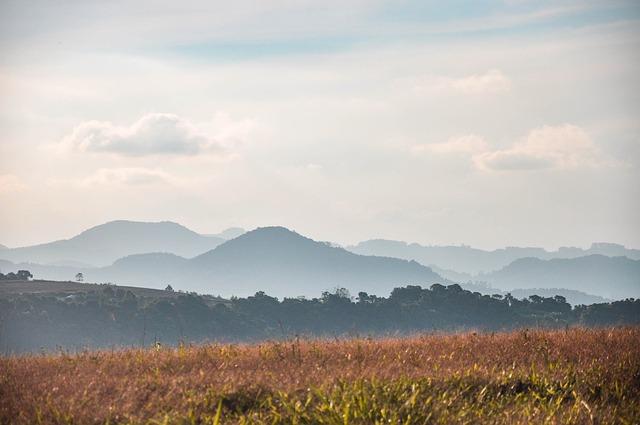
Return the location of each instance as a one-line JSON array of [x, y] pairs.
[[489, 124]]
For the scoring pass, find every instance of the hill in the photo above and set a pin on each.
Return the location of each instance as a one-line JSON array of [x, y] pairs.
[[464, 259], [270, 259], [284, 263], [49, 287], [103, 244], [230, 233], [609, 277]]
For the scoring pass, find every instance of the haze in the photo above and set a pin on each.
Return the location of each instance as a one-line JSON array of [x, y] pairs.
[[490, 124]]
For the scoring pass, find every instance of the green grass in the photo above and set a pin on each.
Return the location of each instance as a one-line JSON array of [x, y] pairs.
[[578, 376]]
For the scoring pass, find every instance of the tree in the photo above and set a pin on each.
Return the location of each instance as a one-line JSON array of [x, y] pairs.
[[79, 277], [24, 275], [169, 288], [364, 298], [406, 295], [339, 294]]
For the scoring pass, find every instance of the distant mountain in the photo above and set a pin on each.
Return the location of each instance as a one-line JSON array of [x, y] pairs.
[[230, 233], [464, 259], [452, 275], [275, 260], [606, 249], [2, 247], [155, 270], [608, 277], [284, 263], [102, 245]]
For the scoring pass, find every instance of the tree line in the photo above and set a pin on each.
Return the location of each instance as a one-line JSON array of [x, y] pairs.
[[20, 275], [113, 317]]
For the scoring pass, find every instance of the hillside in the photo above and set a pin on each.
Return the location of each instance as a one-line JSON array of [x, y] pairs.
[[609, 277], [103, 244], [47, 287], [271, 259], [464, 259], [284, 263]]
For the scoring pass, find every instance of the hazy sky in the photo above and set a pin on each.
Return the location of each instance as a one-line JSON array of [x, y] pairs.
[[489, 123]]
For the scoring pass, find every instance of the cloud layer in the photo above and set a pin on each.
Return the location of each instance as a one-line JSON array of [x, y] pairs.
[[459, 144], [492, 81], [563, 147], [152, 134]]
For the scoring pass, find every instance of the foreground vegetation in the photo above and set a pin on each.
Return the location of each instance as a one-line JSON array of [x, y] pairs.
[[106, 316], [529, 376]]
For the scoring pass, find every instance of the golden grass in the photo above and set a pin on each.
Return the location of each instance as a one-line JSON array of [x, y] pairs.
[[574, 376]]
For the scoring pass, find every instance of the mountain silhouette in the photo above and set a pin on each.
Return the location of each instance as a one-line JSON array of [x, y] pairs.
[[283, 263], [102, 245], [275, 260], [608, 277], [464, 259]]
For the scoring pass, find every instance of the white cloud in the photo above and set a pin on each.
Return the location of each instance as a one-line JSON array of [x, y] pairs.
[[459, 144], [563, 147], [492, 81], [152, 134]]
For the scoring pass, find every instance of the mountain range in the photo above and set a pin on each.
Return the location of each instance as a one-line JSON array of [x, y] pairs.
[[275, 260], [472, 261], [284, 263], [102, 245], [610, 277]]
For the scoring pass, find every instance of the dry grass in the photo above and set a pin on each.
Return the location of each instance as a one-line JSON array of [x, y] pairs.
[[577, 376]]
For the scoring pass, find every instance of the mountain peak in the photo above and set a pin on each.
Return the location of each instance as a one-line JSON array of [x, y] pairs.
[[286, 263], [273, 231], [270, 241], [137, 226]]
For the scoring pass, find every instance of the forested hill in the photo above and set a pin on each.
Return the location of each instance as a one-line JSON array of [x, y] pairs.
[[106, 316]]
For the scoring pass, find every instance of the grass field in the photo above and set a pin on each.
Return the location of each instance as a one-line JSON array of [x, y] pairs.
[[574, 376], [54, 286]]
